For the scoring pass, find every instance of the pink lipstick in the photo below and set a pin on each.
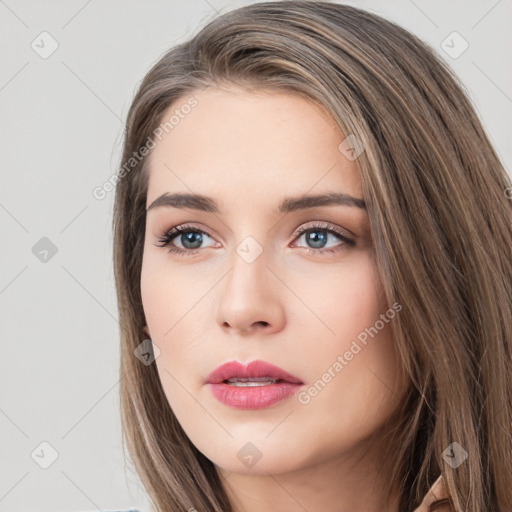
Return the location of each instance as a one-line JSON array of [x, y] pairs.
[[255, 386]]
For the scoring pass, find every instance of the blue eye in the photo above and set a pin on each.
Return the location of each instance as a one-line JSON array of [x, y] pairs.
[[318, 234], [192, 238]]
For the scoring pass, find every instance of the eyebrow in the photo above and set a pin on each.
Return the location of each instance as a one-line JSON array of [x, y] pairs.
[[207, 204]]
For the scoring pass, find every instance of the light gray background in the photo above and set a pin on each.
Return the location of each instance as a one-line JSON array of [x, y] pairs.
[[61, 126]]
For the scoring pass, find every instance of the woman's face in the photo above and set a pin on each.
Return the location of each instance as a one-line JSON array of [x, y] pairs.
[[245, 285]]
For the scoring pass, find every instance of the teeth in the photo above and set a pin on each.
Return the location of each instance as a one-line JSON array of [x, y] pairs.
[[250, 384], [252, 381]]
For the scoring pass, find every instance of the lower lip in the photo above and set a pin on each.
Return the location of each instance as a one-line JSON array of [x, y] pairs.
[[253, 397]]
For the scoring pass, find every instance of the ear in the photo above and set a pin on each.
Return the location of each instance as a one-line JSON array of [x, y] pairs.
[[146, 330]]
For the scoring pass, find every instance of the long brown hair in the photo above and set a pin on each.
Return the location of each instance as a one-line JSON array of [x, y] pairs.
[[440, 208]]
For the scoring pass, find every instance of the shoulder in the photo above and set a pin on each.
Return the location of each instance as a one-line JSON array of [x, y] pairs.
[[436, 492]]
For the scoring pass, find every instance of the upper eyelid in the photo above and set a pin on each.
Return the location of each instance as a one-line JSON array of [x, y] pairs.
[[299, 231]]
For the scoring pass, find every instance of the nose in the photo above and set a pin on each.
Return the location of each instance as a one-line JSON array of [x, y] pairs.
[[251, 299]]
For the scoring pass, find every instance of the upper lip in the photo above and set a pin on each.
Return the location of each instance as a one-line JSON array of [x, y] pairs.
[[253, 369]]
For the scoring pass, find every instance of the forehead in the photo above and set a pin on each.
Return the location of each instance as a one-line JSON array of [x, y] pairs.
[[245, 143]]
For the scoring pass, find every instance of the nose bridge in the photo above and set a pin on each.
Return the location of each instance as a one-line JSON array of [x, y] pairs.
[[248, 276], [247, 296]]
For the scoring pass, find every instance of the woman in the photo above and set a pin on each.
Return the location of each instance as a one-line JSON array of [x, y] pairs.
[[314, 233]]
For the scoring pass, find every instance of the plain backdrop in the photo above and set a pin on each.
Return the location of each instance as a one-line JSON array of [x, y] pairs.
[[61, 122]]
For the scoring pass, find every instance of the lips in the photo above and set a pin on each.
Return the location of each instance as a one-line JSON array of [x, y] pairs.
[[255, 369]]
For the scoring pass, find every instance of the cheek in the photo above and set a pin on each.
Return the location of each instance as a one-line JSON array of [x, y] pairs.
[[354, 364], [167, 295], [176, 305], [345, 300], [360, 317]]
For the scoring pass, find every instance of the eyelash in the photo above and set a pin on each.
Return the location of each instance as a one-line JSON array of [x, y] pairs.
[[166, 238]]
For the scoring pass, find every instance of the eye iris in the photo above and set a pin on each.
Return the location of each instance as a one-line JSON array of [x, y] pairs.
[[316, 237], [192, 237]]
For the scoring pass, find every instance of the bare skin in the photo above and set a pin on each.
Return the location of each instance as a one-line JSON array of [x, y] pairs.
[[293, 306]]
